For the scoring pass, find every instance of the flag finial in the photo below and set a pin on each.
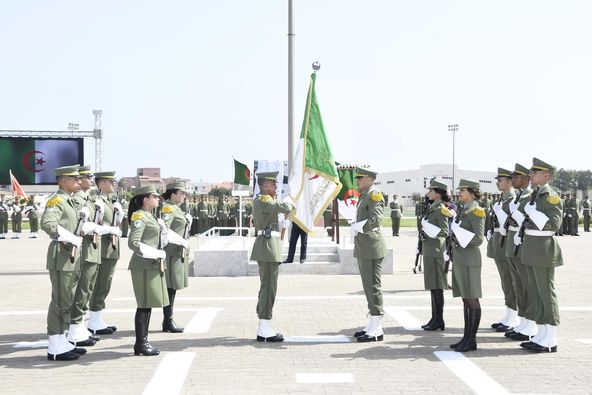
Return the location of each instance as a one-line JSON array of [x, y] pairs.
[[316, 66]]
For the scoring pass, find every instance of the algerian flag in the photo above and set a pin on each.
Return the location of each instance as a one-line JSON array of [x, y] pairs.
[[349, 195], [242, 174], [314, 181]]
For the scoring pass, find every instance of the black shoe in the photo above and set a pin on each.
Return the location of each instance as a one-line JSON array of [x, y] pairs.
[[359, 333], [435, 326], [171, 326], [287, 261], [538, 348], [496, 325], [278, 338], [576, 234], [526, 345], [519, 337], [95, 337], [503, 328], [397, 235], [104, 331], [469, 344], [365, 338], [79, 351], [430, 323], [145, 348], [65, 356], [302, 260], [85, 343], [510, 333]]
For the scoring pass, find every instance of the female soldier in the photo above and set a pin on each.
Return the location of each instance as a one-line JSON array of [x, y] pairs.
[[177, 250], [468, 227], [434, 230], [147, 240]]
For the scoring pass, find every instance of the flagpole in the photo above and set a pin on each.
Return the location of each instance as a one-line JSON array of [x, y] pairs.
[[291, 36]]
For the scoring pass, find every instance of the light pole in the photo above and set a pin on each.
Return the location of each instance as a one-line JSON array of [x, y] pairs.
[[453, 128], [291, 36]]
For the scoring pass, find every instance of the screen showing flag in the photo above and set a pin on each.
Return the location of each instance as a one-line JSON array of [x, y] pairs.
[[32, 160]]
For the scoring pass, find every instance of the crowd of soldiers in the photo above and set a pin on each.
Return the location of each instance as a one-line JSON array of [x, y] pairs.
[[209, 212], [16, 209]]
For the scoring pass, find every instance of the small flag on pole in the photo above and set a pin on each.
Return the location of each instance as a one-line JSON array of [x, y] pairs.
[[16, 187], [242, 174]]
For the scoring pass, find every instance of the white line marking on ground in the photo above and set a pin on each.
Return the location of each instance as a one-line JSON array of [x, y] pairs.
[[316, 378], [37, 344], [202, 320], [318, 339], [585, 341], [470, 373], [170, 374], [405, 319]]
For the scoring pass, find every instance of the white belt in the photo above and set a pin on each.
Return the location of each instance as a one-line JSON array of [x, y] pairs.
[[533, 232], [273, 233], [514, 228], [501, 231], [586, 209], [397, 210]]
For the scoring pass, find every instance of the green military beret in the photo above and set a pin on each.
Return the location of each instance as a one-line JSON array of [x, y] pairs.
[[67, 171], [147, 190], [438, 185], [109, 175], [538, 164], [176, 185], [364, 171], [85, 170], [501, 172], [472, 184], [269, 175], [520, 170]]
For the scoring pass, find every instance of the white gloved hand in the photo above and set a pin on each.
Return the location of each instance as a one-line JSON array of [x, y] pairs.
[[463, 236], [89, 227], [84, 213], [189, 219], [288, 199], [569, 215], [118, 207], [518, 216], [517, 239], [454, 225], [163, 232], [359, 226], [513, 206], [353, 232], [430, 230], [151, 252], [175, 238], [530, 207], [488, 235], [68, 237], [445, 256]]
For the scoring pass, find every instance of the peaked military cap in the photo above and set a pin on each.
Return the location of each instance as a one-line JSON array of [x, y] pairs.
[[105, 174], [438, 185], [146, 190], [176, 185], [365, 171], [520, 170], [85, 170], [538, 164], [67, 171], [501, 172], [268, 175], [472, 184]]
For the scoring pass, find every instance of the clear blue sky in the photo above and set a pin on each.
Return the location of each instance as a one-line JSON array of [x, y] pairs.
[[186, 85]]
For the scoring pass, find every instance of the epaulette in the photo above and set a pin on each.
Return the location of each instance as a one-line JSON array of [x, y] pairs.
[[445, 212], [479, 212], [554, 199], [265, 198], [167, 209], [55, 201], [137, 215], [376, 196]]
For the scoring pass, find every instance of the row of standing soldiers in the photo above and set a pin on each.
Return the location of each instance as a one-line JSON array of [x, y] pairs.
[[208, 213], [17, 210]]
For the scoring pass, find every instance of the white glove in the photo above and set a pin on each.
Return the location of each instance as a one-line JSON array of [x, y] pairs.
[[446, 256], [517, 239], [430, 230], [358, 227], [151, 252], [84, 213], [117, 214], [117, 207], [189, 219], [111, 230], [68, 237], [353, 232], [539, 218], [163, 232], [89, 227], [530, 207], [288, 199], [463, 236], [177, 239], [518, 216], [488, 235], [569, 215], [454, 225], [513, 206]]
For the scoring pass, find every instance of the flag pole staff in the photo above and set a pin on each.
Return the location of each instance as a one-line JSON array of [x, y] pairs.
[[291, 37]]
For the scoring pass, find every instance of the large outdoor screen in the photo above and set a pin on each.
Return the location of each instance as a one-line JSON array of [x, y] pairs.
[[32, 160]]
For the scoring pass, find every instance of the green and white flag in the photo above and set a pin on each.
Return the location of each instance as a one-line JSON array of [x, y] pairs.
[[314, 181], [242, 174]]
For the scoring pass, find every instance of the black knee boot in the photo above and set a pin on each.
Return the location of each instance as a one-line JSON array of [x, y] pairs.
[[470, 342], [439, 318], [168, 325], [466, 315], [142, 321], [431, 321]]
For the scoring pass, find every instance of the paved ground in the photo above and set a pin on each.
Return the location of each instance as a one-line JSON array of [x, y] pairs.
[[220, 354]]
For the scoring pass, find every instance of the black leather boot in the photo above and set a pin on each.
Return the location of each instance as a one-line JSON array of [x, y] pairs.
[[466, 315], [168, 325], [142, 320], [470, 342], [431, 321], [438, 322]]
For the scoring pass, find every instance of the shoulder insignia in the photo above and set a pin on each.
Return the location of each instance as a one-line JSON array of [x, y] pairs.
[[167, 209], [54, 202], [554, 199], [445, 212], [266, 198], [479, 212], [137, 216], [376, 196]]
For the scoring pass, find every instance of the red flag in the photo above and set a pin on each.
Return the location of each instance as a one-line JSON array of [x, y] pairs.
[[16, 187]]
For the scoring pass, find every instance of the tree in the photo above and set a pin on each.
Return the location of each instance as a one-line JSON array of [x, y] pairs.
[[218, 192]]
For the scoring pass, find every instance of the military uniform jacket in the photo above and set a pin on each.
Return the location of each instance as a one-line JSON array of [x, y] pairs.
[[473, 220], [107, 250], [544, 251], [370, 244], [585, 206], [60, 210], [223, 210], [202, 210], [175, 220], [88, 252], [437, 215], [524, 198], [17, 213], [495, 249], [396, 209], [265, 215], [32, 210], [3, 210], [144, 228]]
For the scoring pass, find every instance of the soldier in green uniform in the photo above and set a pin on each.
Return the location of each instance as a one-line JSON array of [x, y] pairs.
[[541, 253], [370, 250], [177, 250], [61, 222], [419, 213], [147, 239], [267, 251], [566, 224], [223, 214], [32, 212], [468, 227], [3, 217], [396, 212], [212, 208], [484, 203], [90, 259], [328, 220], [125, 220], [17, 219], [526, 314], [496, 248], [434, 227], [585, 207], [202, 214], [112, 216], [574, 215]]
